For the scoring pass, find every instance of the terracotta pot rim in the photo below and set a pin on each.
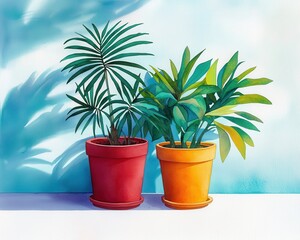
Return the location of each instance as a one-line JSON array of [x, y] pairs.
[[186, 155], [208, 145], [93, 148], [92, 142]]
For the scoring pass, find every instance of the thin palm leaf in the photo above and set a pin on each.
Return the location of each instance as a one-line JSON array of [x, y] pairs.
[[100, 62]]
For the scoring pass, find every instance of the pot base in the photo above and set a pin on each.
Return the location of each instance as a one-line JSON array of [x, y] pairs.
[[116, 206], [182, 206]]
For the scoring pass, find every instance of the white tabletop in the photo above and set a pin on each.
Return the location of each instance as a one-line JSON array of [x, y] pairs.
[[71, 216]]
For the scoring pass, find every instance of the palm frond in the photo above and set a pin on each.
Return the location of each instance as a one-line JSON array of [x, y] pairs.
[[99, 63]]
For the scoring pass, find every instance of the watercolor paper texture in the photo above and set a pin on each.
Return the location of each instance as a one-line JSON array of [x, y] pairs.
[[39, 151]]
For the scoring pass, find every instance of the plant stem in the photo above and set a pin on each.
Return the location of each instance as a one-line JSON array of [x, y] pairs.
[[113, 136], [172, 141], [108, 92], [113, 139], [198, 143], [194, 143], [183, 144]]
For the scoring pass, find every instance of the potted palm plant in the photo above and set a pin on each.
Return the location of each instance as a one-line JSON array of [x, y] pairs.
[[195, 102], [107, 98]]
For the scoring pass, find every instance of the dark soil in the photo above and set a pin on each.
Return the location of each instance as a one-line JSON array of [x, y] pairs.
[[121, 142]]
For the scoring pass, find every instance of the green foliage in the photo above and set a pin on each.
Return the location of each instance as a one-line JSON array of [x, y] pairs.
[[205, 99], [107, 89]]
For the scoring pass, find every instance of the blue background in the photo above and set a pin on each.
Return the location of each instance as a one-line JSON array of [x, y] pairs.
[[39, 151]]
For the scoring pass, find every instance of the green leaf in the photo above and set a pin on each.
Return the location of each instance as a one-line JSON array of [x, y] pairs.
[[212, 98], [138, 126], [87, 122], [111, 55], [189, 67], [92, 34], [184, 62], [91, 96], [100, 122], [235, 136], [123, 82], [99, 87], [118, 114], [110, 35], [145, 105], [128, 64], [242, 122], [155, 131], [224, 143], [172, 83], [220, 76], [93, 80], [196, 105], [81, 71], [211, 75], [80, 63], [127, 94], [89, 42], [97, 33], [229, 87], [82, 119], [196, 85], [76, 55], [83, 109], [245, 73], [117, 42], [120, 124], [253, 82], [125, 55], [248, 116], [190, 131], [225, 110], [248, 98], [203, 89], [88, 77], [198, 73], [76, 100], [81, 92], [83, 48], [174, 70], [147, 94], [106, 103], [247, 139], [232, 82], [179, 117], [99, 97], [85, 40], [230, 67], [117, 34], [103, 33], [163, 80], [129, 123], [165, 95]]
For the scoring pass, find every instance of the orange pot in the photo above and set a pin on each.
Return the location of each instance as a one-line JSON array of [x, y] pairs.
[[186, 175]]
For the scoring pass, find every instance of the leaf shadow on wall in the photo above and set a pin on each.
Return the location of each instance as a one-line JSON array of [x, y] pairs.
[[29, 116], [27, 24], [32, 114]]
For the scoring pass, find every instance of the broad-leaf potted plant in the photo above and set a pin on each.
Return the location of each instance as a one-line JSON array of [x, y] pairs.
[[196, 100], [107, 98]]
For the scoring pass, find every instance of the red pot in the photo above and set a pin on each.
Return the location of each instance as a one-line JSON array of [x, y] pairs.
[[117, 172]]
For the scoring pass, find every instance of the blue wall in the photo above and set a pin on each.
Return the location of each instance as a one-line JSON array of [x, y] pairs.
[[39, 151]]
